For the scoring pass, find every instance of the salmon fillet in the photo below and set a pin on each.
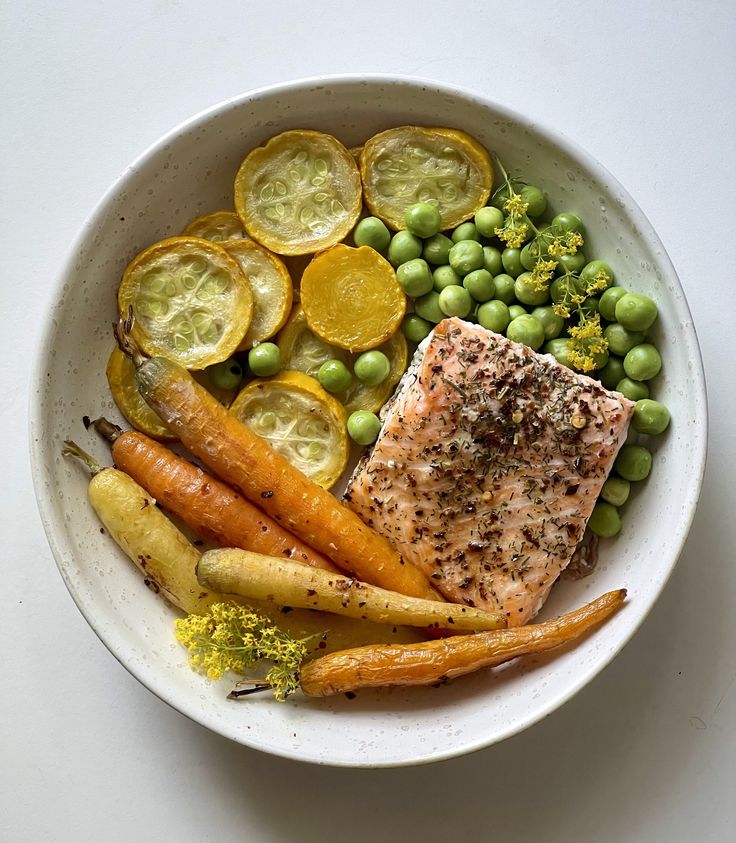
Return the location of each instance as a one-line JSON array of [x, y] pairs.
[[488, 465]]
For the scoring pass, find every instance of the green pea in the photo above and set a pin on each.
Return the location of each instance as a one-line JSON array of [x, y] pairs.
[[551, 322], [465, 256], [616, 491], [414, 277], [564, 288], [334, 376], [455, 301], [494, 315], [634, 462], [527, 293], [650, 417], [605, 520], [428, 307], [609, 300], [226, 375], [633, 390], [535, 199], [570, 263], [364, 427], [620, 340], [600, 360], [511, 259], [527, 330], [479, 283], [505, 288], [465, 231], [612, 372], [594, 268], [372, 367], [516, 310], [264, 360], [560, 350], [487, 220], [404, 246], [492, 260], [372, 232], [531, 253], [415, 328], [636, 312], [437, 250], [423, 219], [445, 276], [568, 222], [643, 362]]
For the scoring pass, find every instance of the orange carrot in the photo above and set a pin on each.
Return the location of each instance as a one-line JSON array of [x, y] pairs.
[[241, 458], [212, 509], [379, 665]]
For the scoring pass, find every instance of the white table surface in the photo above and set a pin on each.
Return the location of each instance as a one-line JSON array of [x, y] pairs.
[[647, 752]]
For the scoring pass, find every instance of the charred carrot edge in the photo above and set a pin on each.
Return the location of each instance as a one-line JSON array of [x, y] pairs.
[[434, 661], [212, 509], [242, 459]]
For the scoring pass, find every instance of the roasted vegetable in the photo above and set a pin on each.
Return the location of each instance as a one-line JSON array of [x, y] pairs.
[[287, 583], [298, 193], [211, 508], [241, 458], [436, 661], [219, 227], [300, 420], [351, 298], [190, 301], [167, 561]]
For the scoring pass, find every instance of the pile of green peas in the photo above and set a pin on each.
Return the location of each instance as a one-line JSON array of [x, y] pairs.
[[469, 273]]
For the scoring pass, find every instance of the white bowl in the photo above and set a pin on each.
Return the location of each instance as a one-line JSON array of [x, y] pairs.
[[190, 171]]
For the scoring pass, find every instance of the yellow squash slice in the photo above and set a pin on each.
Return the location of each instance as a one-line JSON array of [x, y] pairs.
[[298, 193], [190, 300], [305, 352], [219, 227], [121, 378], [271, 286], [445, 167], [356, 151], [300, 420], [351, 297]]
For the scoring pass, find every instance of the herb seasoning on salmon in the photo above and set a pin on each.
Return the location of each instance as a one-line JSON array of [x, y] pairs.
[[488, 465]]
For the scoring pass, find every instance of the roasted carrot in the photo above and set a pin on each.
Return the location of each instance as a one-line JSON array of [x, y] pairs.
[[434, 661], [212, 509], [167, 560], [287, 583], [242, 459]]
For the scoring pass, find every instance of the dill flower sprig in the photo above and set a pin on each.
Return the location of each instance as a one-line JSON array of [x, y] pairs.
[[587, 343], [233, 638]]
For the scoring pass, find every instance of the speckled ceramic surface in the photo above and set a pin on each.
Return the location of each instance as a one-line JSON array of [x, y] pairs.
[[190, 172]]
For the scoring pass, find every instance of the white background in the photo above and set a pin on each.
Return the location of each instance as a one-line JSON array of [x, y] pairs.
[[648, 751]]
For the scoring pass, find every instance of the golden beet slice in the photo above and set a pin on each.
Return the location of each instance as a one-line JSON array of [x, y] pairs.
[[444, 167], [299, 193], [351, 297]]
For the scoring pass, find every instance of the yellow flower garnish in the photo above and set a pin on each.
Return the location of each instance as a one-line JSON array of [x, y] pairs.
[[586, 343], [232, 637], [514, 230], [542, 274], [600, 282], [565, 244]]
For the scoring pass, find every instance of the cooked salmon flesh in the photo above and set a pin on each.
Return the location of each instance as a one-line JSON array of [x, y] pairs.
[[488, 465]]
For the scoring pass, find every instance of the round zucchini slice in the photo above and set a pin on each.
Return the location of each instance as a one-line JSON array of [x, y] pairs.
[[190, 301], [299, 193], [271, 285], [300, 420], [444, 167]]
